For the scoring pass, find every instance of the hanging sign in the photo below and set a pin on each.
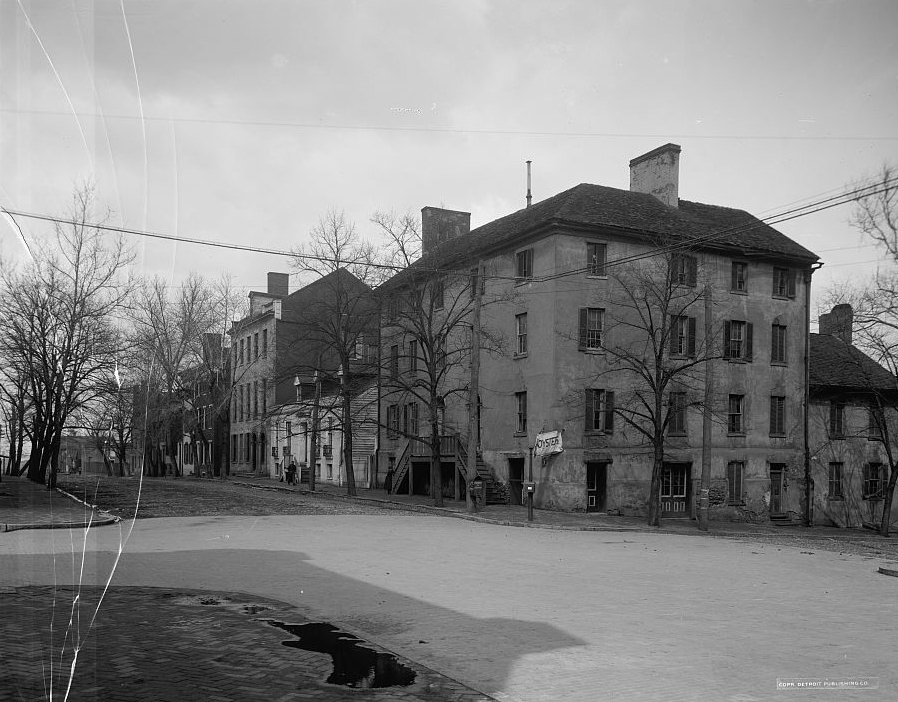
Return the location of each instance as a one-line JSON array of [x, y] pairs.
[[548, 442]]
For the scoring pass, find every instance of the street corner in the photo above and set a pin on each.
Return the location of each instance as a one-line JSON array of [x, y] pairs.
[[161, 643]]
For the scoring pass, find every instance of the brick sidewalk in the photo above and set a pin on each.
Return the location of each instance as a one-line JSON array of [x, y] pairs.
[[158, 645]]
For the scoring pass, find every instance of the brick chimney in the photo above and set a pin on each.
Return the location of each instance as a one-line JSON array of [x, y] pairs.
[[658, 173], [838, 323], [279, 284], [439, 225]]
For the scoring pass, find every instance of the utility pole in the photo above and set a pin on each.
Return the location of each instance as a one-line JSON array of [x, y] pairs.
[[313, 444], [474, 391], [705, 498]]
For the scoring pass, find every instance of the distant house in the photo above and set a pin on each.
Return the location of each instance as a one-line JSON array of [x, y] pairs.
[[851, 399]]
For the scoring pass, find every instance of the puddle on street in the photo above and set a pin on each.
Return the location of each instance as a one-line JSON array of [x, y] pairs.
[[355, 665]]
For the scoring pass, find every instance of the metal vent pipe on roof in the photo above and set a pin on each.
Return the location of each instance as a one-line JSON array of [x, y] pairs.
[[529, 196]]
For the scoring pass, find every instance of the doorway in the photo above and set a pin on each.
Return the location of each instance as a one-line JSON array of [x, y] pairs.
[[596, 481], [776, 490], [675, 490], [515, 480]]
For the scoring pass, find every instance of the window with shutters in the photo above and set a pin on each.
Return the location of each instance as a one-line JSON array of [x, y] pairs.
[[683, 270], [265, 342], [599, 411], [836, 420], [520, 331], [738, 340], [783, 282], [595, 260], [735, 479], [592, 323], [256, 346], [240, 362], [834, 484], [682, 336], [739, 277], [264, 396], [410, 417], [255, 399], [392, 421], [394, 361], [777, 415], [778, 344], [736, 414], [524, 265], [520, 401], [676, 423], [874, 481], [413, 356]]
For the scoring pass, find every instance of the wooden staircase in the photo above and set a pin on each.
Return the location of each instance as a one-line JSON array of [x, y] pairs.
[[452, 446]]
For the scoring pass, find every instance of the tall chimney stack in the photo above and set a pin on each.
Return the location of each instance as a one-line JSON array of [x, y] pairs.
[[838, 323], [658, 173], [439, 225]]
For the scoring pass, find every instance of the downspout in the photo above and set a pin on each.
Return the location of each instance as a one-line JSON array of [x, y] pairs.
[[808, 480], [379, 393]]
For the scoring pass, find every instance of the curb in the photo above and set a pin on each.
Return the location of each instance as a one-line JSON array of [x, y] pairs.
[[105, 519]]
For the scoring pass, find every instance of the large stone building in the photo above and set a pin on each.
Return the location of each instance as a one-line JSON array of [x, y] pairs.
[[610, 311]]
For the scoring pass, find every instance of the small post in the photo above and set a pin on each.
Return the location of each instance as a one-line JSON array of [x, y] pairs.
[[529, 488]]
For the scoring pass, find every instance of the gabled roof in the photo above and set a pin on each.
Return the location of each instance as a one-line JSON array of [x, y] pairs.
[[836, 365], [600, 207]]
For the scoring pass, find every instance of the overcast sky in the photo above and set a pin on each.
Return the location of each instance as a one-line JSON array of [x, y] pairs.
[[259, 116]]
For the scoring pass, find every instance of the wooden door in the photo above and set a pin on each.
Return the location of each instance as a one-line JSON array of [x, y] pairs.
[[596, 481], [675, 490], [776, 491], [515, 480]]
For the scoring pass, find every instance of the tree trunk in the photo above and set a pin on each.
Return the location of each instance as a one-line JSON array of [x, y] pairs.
[[887, 503], [655, 488], [347, 433], [436, 477]]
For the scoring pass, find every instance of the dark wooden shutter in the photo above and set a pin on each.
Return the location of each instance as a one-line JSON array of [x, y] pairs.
[[584, 312], [674, 329], [691, 338], [691, 266], [833, 413], [727, 336], [733, 267], [749, 336], [790, 283], [609, 412], [590, 410]]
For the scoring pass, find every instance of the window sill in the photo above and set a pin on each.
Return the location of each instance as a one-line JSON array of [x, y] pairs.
[[739, 360], [523, 281], [837, 498], [520, 355], [592, 351], [782, 297], [739, 292], [520, 433], [781, 364], [597, 276], [873, 498], [677, 434], [596, 432], [778, 435], [736, 504], [736, 434], [874, 438]]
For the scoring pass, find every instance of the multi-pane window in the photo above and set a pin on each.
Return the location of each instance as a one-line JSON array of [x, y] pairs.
[[834, 488], [520, 332], [438, 293], [413, 356], [256, 345], [737, 340], [676, 423], [735, 414], [836, 420], [392, 421], [592, 323], [683, 270], [394, 361], [264, 342], [599, 411], [874, 479], [739, 277], [410, 419], [682, 336], [777, 414], [595, 259], [255, 399], [520, 401], [874, 424], [783, 282], [241, 352], [735, 478], [778, 343], [264, 395], [524, 264]]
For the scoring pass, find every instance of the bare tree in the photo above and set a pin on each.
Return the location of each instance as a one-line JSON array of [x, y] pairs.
[[653, 352], [343, 319], [59, 333], [427, 327], [876, 214]]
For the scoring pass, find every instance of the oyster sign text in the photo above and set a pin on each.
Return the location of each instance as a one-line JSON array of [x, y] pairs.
[[548, 442]]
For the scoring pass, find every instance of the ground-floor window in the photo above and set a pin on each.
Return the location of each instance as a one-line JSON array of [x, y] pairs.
[[873, 481], [834, 491], [735, 475]]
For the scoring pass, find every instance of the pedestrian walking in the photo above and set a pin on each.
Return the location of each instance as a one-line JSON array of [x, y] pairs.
[[388, 481], [291, 472]]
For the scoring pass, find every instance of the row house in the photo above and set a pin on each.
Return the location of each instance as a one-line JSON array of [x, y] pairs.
[[853, 420], [570, 291], [276, 352]]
